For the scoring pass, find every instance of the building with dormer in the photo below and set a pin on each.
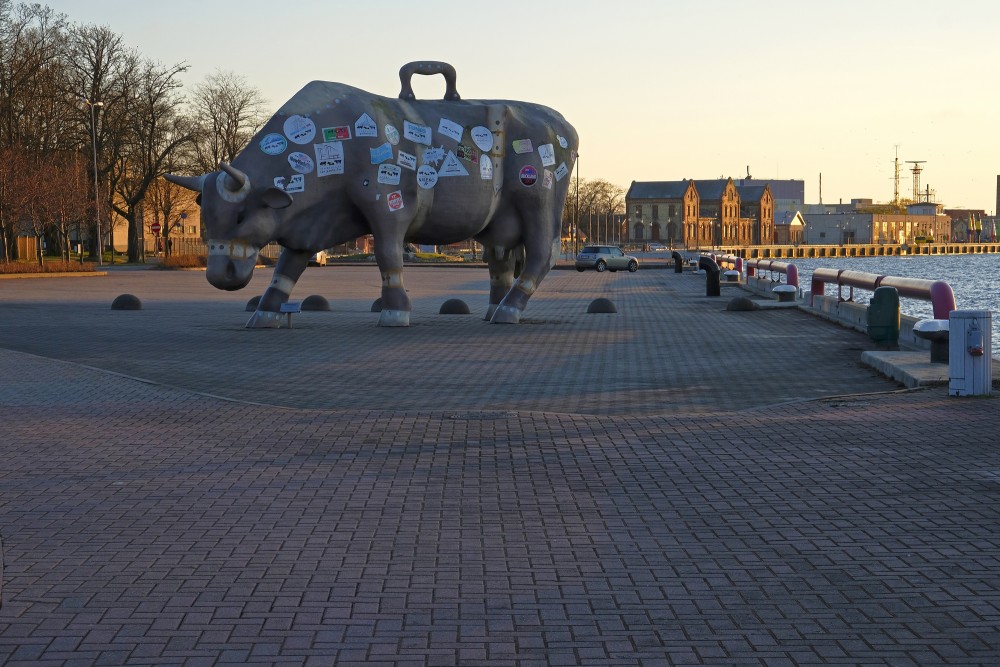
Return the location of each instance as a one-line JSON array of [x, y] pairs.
[[700, 213]]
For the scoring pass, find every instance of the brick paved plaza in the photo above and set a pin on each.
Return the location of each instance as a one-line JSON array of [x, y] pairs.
[[672, 484]]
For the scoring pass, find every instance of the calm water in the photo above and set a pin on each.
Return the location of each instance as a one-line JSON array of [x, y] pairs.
[[975, 279]]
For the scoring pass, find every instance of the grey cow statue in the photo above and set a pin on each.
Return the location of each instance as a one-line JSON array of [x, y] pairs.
[[336, 163]]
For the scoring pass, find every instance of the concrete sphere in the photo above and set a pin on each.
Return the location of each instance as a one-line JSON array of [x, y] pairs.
[[126, 302], [602, 305], [377, 305], [315, 302], [454, 307], [252, 304]]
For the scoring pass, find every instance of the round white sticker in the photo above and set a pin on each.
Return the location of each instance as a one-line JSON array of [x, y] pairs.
[[299, 129], [273, 144], [427, 177], [483, 138], [301, 163]]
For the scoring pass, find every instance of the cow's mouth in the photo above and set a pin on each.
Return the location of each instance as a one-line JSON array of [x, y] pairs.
[[230, 264]]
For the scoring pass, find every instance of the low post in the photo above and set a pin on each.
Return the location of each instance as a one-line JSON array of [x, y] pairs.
[[678, 262], [713, 283]]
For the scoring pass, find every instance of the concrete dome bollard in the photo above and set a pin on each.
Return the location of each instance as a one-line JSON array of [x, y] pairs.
[[316, 302], [454, 307], [252, 304], [377, 305], [126, 302], [740, 303], [602, 306]]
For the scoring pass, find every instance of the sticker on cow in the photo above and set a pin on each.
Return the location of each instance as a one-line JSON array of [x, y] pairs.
[[261, 199]]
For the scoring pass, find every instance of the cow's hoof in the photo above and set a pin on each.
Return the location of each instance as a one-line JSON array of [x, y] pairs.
[[394, 318], [506, 315], [263, 319], [490, 311]]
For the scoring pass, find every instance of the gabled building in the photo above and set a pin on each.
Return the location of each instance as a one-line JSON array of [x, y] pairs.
[[660, 210], [700, 213], [757, 215], [789, 228]]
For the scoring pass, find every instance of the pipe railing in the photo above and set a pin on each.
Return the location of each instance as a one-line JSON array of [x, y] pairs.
[[728, 260], [789, 270], [938, 292]]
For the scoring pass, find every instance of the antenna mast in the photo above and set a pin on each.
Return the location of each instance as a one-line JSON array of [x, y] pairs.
[[895, 192], [916, 169]]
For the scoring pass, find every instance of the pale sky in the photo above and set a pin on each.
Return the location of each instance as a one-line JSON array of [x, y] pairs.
[[657, 89]]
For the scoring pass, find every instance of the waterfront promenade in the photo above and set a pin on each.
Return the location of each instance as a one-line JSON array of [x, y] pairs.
[[671, 484]]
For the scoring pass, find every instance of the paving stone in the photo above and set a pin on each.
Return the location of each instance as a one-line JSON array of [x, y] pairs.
[[178, 490]]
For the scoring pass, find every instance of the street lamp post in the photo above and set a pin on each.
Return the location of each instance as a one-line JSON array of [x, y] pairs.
[[97, 199]]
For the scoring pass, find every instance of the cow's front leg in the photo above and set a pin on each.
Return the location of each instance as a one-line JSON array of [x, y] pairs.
[[395, 302], [501, 266], [537, 261], [290, 266]]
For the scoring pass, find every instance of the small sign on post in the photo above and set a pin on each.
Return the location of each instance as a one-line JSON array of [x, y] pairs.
[[155, 228]]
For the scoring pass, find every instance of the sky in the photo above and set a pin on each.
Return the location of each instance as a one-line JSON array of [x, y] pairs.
[[657, 89]]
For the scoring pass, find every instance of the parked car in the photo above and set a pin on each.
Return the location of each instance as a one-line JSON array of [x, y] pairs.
[[605, 258], [319, 259], [657, 247]]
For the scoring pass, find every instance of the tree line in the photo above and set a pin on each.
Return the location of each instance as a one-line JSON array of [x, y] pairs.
[[596, 209], [88, 125]]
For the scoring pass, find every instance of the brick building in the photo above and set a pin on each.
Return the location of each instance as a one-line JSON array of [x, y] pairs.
[[700, 213]]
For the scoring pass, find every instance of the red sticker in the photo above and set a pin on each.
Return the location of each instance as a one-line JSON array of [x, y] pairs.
[[395, 200], [528, 176]]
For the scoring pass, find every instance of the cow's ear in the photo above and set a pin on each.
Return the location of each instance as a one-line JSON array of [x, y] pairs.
[[275, 198]]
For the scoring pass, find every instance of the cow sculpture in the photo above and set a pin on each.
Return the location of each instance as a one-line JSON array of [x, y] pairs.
[[336, 163]]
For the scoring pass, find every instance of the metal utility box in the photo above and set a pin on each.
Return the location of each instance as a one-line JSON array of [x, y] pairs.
[[970, 346]]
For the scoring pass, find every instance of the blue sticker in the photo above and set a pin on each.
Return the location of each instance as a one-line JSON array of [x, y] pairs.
[[382, 153], [273, 144]]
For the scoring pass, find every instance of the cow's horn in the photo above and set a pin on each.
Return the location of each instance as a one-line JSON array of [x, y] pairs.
[[232, 184], [239, 178], [195, 183]]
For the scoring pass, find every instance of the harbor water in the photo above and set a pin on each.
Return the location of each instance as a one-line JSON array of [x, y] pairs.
[[975, 280]]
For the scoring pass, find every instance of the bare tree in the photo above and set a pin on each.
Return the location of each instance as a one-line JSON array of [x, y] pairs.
[[14, 163], [32, 46], [69, 206], [152, 131], [599, 202], [100, 72], [32, 117], [228, 112], [168, 205]]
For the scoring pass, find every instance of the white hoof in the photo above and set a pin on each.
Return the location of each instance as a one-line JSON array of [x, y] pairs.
[[262, 319], [506, 315], [394, 318]]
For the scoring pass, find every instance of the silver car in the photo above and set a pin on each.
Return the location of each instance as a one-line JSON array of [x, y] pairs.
[[605, 258]]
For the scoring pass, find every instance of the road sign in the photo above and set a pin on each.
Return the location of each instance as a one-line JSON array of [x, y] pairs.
[[155, 228]]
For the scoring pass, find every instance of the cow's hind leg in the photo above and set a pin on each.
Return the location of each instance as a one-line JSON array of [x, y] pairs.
[[501, 263], [287, 271], [537, 261]]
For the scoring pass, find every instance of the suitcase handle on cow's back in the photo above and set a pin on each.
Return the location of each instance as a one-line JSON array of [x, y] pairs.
[[428, 67]]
